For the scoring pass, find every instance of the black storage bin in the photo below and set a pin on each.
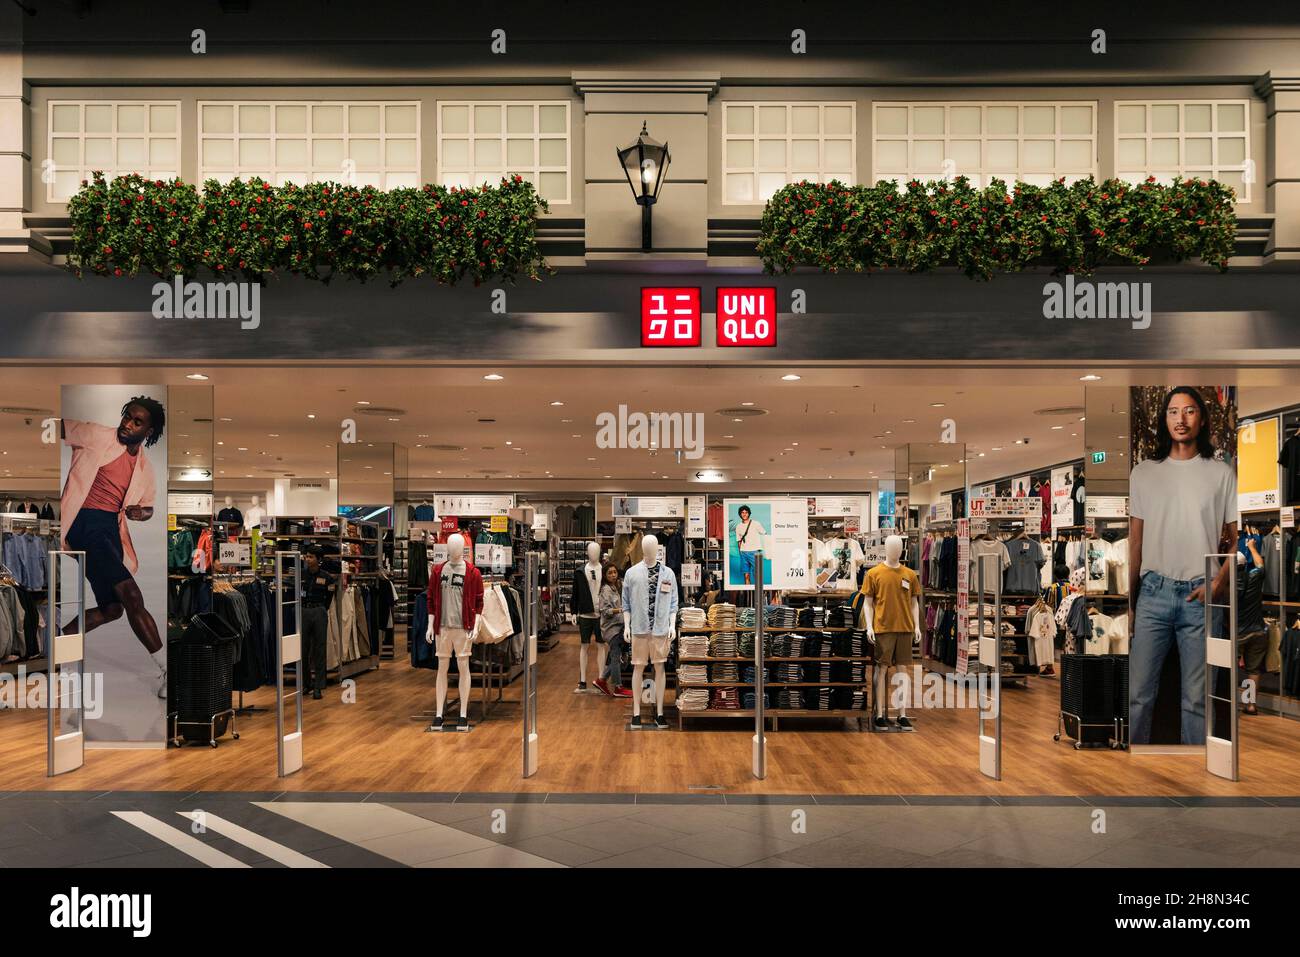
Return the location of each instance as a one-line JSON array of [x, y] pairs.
[[201, 669], [1088, 697]]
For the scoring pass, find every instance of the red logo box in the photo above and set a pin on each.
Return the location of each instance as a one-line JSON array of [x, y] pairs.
[[746, 316], [670, 316]]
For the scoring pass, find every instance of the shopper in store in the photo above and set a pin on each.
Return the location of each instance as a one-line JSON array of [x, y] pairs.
[[111, 482], [318, 590], [610, 607], [1182, 505]]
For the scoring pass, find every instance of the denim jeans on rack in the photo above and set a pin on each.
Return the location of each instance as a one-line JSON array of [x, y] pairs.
[[1164, 617]]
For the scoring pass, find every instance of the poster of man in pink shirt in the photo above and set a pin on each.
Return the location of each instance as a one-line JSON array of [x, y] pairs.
[[111, 474]]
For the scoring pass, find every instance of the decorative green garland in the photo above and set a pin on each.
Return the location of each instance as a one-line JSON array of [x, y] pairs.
[[320, 230], [983, 232]]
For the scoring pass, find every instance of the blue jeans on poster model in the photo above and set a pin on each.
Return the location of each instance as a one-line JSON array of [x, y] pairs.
[[1165, 616]]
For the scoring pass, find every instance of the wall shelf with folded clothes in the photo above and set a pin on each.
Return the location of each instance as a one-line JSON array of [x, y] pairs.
[[777, 658], [769, 629]]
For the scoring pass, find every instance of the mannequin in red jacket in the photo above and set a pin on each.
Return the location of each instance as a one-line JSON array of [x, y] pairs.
[[455, 600]]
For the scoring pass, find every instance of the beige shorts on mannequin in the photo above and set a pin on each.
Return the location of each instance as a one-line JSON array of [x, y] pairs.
[[456, 641], [649, 648], [893, 648]]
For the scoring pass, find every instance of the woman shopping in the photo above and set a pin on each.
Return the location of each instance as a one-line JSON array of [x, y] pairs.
[[610, 607]]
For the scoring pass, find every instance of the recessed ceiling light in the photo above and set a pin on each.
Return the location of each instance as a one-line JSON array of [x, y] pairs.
[[737, 420], [221, 443], [392, 419], [508, 442], [1057, 428], [311, 415], [981, 455], [1089, 378], [557, 403], [1075, 434], [1020, 441], [493, 377], [936, 405], [606, 476], [362, 402], [226, 419], [1083, 418], [790, 377], [997, 448], [728, 436], [198, 376], [243, 448], [746, 403], [591, 458], [273, 435]]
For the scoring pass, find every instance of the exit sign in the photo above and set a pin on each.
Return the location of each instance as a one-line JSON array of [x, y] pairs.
[[1098, 458]]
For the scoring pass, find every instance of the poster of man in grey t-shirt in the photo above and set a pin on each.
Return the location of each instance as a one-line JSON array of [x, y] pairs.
[[1182, 507]]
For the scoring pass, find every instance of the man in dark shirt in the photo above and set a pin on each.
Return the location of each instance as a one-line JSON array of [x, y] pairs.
[[318, 590]]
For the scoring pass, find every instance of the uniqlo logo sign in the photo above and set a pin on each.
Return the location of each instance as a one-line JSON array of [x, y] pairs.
[[746, 316], [670, 316]]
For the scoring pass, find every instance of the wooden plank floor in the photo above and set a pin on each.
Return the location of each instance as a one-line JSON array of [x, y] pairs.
[[373, 745]]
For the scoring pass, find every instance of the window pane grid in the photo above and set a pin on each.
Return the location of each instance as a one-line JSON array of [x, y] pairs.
[[1181, 139], [482, 141], [1033, 142], [767, 145], [361, 142], [114, 136]]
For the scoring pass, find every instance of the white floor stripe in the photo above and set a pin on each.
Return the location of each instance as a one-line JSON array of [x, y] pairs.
[[242, 835], [398, 835], [178, 839]]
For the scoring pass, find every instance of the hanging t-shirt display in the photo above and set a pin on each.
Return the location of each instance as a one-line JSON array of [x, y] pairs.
[[453, 588], [1023, 573], [1096, 560], [1079, 497], [1289, 459]]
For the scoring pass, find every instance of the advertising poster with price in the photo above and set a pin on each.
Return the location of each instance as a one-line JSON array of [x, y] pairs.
[[1062, 503], [1257, 448], [778, 528], [963, 594]]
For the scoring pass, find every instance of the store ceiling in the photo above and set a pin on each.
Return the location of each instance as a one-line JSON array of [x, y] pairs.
[[832, 425]]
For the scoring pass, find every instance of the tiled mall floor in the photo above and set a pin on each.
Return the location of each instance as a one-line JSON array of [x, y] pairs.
[[288, 829]]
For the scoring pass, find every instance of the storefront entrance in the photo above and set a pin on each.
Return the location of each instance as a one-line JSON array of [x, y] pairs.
[[403, 449]]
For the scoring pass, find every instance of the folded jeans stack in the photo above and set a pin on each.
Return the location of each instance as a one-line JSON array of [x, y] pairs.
[[692, 674], [692, 646], [693, 619], [693, 699]]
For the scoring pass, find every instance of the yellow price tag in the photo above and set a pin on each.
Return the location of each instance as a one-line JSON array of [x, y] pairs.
[[500, 523]]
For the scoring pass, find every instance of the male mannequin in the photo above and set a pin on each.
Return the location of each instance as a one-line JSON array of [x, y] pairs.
[[455, 599], [892, 608], [585, 595], [650, 619], [253, 518], [230, 513]]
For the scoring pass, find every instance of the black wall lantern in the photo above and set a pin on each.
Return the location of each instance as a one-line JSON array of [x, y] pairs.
[[646, 164]]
